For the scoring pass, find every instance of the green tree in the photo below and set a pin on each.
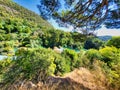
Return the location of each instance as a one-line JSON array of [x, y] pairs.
[[94, 43], [88, 14], [109, 54], [72, 58], [114, 41]]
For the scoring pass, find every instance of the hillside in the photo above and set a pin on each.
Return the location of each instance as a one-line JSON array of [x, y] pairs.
[[17, 27], [10, 9]]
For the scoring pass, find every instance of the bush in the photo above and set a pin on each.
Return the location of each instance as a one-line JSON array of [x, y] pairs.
[[109, 54], [115, 41], [35, 65], [4, 64], [72, 57], [93, 54], [31, 64], [62, 65]]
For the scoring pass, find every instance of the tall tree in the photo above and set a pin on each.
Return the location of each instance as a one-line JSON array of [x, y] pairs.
[[113, 16], [85, 14]]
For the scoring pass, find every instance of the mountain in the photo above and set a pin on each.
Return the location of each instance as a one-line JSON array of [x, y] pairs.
[[105, 38], [10, 9], [19, 27]]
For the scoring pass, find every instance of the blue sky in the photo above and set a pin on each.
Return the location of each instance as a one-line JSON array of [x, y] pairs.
[[29, 4], [32, 5]]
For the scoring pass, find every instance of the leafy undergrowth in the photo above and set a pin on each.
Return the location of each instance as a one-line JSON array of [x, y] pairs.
[[45, 68]]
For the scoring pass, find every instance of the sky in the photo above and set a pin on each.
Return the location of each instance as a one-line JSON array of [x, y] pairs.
[[29, 4], [32, 5]]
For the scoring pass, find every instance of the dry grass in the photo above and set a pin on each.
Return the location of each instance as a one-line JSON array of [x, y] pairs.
[[93, 81], [79, 79]]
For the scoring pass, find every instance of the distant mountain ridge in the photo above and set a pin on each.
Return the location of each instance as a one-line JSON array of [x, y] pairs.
[[105, 38]]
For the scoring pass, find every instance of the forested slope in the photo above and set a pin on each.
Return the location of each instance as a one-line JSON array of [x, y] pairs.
[[20, 27], [10, 9]]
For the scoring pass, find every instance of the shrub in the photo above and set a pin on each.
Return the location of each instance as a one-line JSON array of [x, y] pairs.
[[72, 57], [31, 64], [62, 65], [93, 54], [4, 64], [115, 41], [109, 53], [36, 65]]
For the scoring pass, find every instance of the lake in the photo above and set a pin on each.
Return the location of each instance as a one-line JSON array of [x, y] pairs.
[[2, 57]]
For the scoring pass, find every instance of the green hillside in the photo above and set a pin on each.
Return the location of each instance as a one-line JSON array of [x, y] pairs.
[[20, 27], [17, 27], [10, 9]]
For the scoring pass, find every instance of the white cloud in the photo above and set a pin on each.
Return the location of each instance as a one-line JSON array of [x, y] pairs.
[[101, 32], [104, 31]]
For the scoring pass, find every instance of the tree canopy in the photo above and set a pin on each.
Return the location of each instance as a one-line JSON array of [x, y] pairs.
[[85, 14]]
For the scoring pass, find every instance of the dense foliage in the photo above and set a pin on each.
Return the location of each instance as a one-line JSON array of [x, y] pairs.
[[29, 45], [93, 43], [10, 9], [51, 38], [17, 33], [38, 63], [115, 41]]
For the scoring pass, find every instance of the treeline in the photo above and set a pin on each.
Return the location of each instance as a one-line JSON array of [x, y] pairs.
[[16, 32]]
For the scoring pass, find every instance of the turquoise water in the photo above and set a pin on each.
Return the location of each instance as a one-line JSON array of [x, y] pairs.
[[2, 57]]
